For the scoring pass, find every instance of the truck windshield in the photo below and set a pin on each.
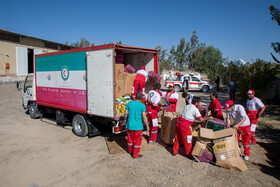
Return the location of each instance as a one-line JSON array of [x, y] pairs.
[[28, 83]]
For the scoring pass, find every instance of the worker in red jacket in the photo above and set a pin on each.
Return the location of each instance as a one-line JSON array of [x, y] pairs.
[[139, 82], [172, 97], [255, 108], [183, 131], [152, 100], [215, 106]]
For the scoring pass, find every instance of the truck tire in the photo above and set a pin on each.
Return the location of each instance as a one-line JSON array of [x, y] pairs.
[[205, 89], [177, 88], [34, 111], [80, 126]]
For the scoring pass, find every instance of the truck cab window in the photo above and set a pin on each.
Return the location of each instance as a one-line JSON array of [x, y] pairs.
[[28, 83]]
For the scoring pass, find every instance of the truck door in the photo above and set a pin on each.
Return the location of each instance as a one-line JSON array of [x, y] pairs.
[[100, 82], [27, 91], [194, 83]]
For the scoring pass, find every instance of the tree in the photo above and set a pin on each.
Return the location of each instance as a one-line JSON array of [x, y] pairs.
[[259, 76], [164, 62], [195, 48], [275, 13], [82, 43], [179, 56], [210, 62]]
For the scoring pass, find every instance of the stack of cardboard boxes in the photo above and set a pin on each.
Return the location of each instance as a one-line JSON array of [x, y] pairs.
[[226, 150], [124, 81]]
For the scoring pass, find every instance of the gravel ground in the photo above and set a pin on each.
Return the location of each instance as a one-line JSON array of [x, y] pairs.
[[40, 153]]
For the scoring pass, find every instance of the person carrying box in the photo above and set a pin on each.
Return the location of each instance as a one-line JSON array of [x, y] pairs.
[[153, 99], [241, 123], [172, 97], [183, 131], [135, 115]]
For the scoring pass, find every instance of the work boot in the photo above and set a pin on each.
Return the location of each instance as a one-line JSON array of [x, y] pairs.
[[139, 156], [246, 158], [153, 142]]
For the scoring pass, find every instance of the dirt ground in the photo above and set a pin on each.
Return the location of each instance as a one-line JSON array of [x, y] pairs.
[[40, 153]]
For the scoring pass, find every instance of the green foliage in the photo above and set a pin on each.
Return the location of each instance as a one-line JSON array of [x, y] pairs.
[[164, 62], [195, 49], [258, 76], [275, 13], [210, 62], [178, 56], [183, 57], [80, 44]]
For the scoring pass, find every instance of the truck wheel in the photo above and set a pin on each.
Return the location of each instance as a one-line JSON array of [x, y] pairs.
[[34, 111], [177, 88], [205, 89], [80, 126]]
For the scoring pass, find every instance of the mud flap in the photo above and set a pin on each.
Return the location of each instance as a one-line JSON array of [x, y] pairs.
[[92, 130]]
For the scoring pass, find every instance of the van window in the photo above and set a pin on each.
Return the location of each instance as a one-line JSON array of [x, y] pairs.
[[195, 79]]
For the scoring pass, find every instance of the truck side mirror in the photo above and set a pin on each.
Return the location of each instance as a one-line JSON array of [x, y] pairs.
[[18, 86]]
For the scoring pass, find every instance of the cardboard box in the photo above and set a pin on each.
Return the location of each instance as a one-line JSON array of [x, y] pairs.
[[119, 88], [119, 72], [198, 148], [168, 127], [225, 147], [128, 83]]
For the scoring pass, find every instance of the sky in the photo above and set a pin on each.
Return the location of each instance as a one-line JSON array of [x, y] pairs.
[[238, 28]]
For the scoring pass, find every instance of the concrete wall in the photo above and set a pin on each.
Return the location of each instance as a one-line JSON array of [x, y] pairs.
[[8, 53]]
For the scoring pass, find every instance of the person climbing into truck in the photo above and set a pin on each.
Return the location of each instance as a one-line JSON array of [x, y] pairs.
[[241, 124], [183, 131], [139, 82], [135, 115], [153, 108], [255, 108]]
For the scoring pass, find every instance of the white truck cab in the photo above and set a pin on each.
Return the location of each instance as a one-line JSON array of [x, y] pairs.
[[28, 91], [29, 96]]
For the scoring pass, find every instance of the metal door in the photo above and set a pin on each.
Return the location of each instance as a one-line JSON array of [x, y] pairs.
[[100, 82], [21, 60]]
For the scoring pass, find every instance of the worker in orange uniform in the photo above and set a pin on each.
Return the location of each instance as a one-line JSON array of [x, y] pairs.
[[139, 82], [241, 123], [135, 115], [172, 97], [190, 115], [215, 106], [255, 108], [153, 107]]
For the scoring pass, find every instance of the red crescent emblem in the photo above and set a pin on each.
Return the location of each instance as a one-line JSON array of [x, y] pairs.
[[64, 71]]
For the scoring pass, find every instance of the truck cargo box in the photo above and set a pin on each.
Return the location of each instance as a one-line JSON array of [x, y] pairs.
[[84, 80]]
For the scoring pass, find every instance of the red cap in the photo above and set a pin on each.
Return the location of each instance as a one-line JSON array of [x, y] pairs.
[[228, 104], [233, 79], [251, 92], [171, 85], [143, 68]]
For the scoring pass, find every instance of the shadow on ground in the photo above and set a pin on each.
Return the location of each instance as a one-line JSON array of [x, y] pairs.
[[272, 149]]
